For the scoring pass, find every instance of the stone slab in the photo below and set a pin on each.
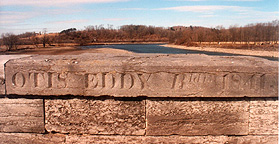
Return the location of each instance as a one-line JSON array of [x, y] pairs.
[[73, 139], [145, 140], [27, 138], [15, 138], [21, 115], [197, 118], [263, 117], [82, 116], [3, 60], [253, 140], [143, 75]]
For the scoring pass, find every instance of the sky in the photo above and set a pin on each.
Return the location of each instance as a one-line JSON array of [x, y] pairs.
[[19, 16]]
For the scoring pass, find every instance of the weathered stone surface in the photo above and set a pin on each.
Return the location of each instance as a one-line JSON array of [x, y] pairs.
[[74, 139], [143, 75], [21, 115], [253, 140], [16, 138], [197, 117], [3, 60], [21, 138], [2, 86], [172, 140], [263, 117], [82, 116], [145, 140], [187, 140]]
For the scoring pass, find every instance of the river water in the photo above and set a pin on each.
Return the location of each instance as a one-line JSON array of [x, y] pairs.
[[156, 48]]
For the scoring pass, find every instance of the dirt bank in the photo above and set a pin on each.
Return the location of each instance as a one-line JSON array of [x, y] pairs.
[[67, 50], [225, 50]]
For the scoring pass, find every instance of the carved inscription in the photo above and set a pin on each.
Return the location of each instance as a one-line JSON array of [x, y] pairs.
[[248, 83], [113, 80], [74, 80], [182, 81], [198, 83]]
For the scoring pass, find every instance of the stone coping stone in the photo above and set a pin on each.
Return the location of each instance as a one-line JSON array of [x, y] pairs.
[[3, 60], [150, 75]]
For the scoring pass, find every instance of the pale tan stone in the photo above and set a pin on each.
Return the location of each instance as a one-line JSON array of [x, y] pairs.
[[253, 140], [27, 138], [21, 107], [89, 116], [21, 138], [3, 60], [187, 140], [21, 115], [74, 139], [263, 117], [197, 117], [143, 75], [2, 86], [71, 139]]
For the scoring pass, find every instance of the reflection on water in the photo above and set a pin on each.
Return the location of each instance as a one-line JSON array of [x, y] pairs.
[[156, 48]]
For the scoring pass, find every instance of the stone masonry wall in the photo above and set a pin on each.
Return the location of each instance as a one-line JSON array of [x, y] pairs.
[[95, 98]]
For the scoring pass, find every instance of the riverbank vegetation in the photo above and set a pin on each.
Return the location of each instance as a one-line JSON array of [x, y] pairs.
[[260, 36]]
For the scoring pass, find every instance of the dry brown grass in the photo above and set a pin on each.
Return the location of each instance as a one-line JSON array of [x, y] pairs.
[[259, 46]]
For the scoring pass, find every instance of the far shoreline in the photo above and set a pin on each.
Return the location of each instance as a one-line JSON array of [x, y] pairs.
[[272, 54]]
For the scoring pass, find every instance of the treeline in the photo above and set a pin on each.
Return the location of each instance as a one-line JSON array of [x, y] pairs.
[[191, 36], [126, 33], [260, 32]]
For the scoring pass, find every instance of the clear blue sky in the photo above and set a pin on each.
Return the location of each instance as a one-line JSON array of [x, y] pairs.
[[18, 16]]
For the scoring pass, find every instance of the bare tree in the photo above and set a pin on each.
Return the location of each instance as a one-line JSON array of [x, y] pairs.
[[35, 40], [10, 41], [45, 38]]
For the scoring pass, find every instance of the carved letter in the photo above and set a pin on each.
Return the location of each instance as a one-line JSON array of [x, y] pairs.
[[144, 79], [18, 79], [178, 81], [38, 79], [95, 80], [195, 78], [109, 80], [128, 81], [58, 80], [235, 81], [91, 81]]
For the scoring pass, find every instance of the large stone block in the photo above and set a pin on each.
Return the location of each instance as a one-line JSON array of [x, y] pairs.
[[143, 75], [21, 115], [263, 117], [253, 140], [27, 138], [197, 117], [145, 140], [187, 140], [74, 139], [82, 116]]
